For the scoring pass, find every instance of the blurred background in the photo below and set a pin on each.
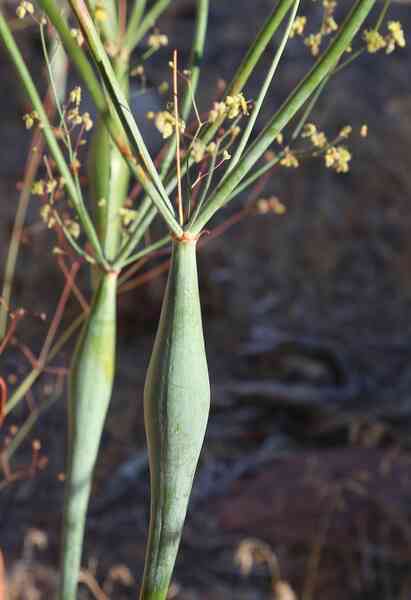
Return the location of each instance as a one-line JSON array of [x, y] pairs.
[[306, 470]]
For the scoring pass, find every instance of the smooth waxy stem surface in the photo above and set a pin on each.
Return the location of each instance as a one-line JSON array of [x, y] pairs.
[[90, 386], [176, 408]]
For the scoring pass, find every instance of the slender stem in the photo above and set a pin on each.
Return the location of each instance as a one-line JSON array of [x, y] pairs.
[[135, 19], [177, 134], [295, 101], [136, 34], [124, 113], [261, 96], [86, 73], [148, 250], [196, 59], [52, 143], [136, 236], [207, 185], [28, 382], [243, 73]]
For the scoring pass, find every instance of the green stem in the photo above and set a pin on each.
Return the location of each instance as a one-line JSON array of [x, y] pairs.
[[196, 58], [135, 35], [31, 378], [52, 143], [111, 121], [298, 97], [124, 113], [261, 96], [90, 387], [135, 20], [242, 74]]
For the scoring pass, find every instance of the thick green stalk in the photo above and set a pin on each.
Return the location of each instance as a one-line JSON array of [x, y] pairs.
[[90, 386], [109, 178], [294, 102], [176, 407]]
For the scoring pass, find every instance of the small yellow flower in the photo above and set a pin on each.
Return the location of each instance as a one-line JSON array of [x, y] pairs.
[[24, 8], [337, 158], [289, 160], [329, 25], [127, 216], [165, 123], [364, 130], [313, 42], [226, 155], [47, 215], [345, 131], [218, 110], [374, 41], [38, 188], [318, 138], [75, 95], [279, 138], [100, 13], [298, 26], [75, 165], [28, 120], [198, 150], [395, 36], [51, 186], [72, 227], [156, 40], [87, 121]]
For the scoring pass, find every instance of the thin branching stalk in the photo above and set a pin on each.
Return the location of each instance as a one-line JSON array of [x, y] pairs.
[[112, 123], [263, 92], [136, 33], [283, 116], [69, 182]]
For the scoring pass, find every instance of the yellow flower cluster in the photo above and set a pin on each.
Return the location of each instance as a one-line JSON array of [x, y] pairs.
[[127, 216], [30, 118], [317, 138], [298, 26], [156, 40], [72, 227], [165, 123], [73, 115], [231, 107], [328, 26], [337, 158], [273, 205], [376, 41], [100, 13], [289, 160], [47, 215], [24, 8]]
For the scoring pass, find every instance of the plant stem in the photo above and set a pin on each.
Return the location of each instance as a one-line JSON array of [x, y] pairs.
[[136, 34], [111, 121], [261, 96], [135, 20], [52, 143], [124, 113], [298, 97]]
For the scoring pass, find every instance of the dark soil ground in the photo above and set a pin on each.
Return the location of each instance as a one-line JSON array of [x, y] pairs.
[[308, 330]]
